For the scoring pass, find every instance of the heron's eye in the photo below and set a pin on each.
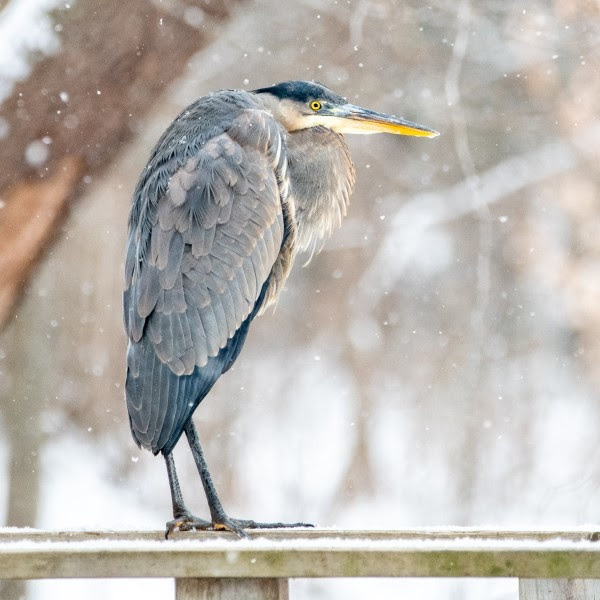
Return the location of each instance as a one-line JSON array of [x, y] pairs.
[[315, 105]]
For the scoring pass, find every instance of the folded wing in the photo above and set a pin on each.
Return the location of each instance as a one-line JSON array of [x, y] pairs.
[[196, 273]]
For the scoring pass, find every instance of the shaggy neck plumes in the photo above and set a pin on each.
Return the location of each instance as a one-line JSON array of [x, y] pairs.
[[322, 176]]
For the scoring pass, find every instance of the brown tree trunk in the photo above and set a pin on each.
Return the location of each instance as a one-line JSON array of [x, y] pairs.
[[68, 118]]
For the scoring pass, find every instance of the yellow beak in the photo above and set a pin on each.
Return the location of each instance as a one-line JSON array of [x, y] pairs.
[[354, 119]]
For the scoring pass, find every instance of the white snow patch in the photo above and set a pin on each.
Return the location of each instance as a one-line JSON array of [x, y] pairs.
[[36, 153], [25, 28], [321, 544], [80, 494]]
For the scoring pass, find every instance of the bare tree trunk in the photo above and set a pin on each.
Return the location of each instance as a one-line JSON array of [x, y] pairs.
[[76, 108]]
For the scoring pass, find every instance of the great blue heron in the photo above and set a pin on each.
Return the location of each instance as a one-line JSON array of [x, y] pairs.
[[237, 185]]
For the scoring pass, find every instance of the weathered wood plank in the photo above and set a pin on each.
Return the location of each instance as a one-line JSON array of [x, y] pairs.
[[26, 534], [231, 589], [559, 589], [305, 553]]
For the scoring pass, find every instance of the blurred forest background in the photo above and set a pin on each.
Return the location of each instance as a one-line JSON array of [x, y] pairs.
[[437, 364]]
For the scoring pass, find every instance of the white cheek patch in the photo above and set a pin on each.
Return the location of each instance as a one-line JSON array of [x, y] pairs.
[[337, 124]]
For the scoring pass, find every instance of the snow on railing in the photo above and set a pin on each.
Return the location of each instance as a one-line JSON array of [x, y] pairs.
[[210, 565]]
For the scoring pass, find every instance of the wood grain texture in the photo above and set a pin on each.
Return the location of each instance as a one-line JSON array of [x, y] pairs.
[[559, 589], [304, 553], [231, 589]]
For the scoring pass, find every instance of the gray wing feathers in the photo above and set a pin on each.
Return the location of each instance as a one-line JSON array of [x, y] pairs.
[[197, 258], [172, 269], [147, 291], [215, 236]]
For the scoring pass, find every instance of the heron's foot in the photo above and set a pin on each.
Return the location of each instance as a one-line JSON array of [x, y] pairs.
[[238, 526], [186, 521]]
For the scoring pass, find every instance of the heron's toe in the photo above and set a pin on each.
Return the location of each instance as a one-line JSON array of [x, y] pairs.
[[186, 522], [256, 525], [251, 524], [234, 525]]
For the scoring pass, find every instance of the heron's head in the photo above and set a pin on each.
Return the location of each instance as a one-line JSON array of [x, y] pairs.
[[304, 104]]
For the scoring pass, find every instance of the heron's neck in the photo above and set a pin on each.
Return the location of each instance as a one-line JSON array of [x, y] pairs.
[[322, 176]]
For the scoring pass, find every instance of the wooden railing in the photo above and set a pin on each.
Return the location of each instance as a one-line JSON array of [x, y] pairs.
[[210, 565]]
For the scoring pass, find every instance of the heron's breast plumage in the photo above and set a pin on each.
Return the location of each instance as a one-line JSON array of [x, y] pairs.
[[322, 176]]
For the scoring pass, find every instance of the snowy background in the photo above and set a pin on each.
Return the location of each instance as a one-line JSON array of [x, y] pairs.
[[437, 364]]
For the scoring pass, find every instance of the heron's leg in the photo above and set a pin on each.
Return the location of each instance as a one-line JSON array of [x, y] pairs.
[[182, 518], [217, 513], [220, 520]]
